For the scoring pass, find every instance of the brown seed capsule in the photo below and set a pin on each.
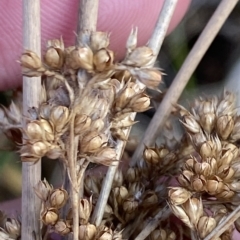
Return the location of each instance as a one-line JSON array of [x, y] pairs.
[[30, 60], [140, 57], [178, 195], [62, 227], [149, 199], [103, 59], [120, 193], [58, 198], [191, 124], [185, 178], [203, 168], [130, 205], [50, 216], [54, 58], [92, 141], [198, 183], [139, 103], [87, 232], [208, 121], [80, 58], [180, 213], [59, 116], [150, 77], [151, 156], [214, 185], [226, 173], [225, 126], [158, 234], [205, 226], [43, 190], [105, 156], [82, 123], [85, 209], [194, 209], [13, 227], [208, 149], [132, 174], [225, 193]]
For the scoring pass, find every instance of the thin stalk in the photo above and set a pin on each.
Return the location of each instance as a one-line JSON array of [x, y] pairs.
[[153, 223], [224, 225], [73, 179], [155, 43], [31, 173], [187, 69]]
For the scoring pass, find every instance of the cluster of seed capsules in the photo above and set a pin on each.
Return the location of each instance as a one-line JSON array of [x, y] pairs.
[[209, 177]]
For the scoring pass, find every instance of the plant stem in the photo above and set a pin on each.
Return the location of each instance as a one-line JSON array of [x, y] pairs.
[[87, 20], [224, 225], [73, 175], [31, 173], [155, 43], [180, 81], [153, 224]]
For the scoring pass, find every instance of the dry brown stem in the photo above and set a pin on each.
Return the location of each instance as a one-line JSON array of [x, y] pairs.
[[153, 223], [180, 81], [224, 225], [155, 43], [31, 173]]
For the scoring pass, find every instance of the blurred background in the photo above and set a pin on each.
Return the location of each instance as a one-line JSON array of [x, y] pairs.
[[219, 69]]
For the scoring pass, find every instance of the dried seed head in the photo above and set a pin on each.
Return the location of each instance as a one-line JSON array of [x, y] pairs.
[[103, 59], [132, 175], [30, 60], [225, 125], [59, 116], [92, 142], [13, 227], [82, 123], [120, 193], [58, 198], [87, 232], [185, 178], [190, 123], [85, 209], [151, 156], [149, 199], [54, 58], [205, 226], [194, 209], [43, 190], [49, 216], [214, 185], [140, 57], [99, 40], [80, 58], [105, 156], [139, 103], [178, 195], [130, 205], [198, 183], [207, 121], [62, 227], [150, 77], [180, 213]]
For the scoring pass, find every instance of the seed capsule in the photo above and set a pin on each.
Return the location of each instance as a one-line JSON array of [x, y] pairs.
[[178, 195], [58, 198], [62, 227], [205, 226], [49, 216], [87, 232]]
